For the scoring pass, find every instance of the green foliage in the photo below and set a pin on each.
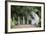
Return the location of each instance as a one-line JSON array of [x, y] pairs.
[[13, 22], [24, 11], [39, 24]]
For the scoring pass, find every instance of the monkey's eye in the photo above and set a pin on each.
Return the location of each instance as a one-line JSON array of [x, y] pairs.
[[32, 17]]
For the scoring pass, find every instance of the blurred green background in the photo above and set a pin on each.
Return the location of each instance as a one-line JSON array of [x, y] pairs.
[[23, 11]]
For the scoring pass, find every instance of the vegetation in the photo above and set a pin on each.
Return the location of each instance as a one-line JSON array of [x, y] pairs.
[[23, 11]]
